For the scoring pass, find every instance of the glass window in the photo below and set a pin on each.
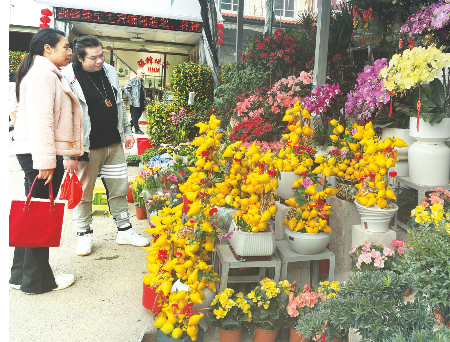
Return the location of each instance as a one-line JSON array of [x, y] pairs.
[[230, 5], [284, 8]]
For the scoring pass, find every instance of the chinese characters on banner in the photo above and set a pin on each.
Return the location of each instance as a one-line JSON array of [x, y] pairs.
[[127, 20]]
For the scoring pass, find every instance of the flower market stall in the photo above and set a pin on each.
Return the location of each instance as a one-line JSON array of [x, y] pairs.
[[315, 171]]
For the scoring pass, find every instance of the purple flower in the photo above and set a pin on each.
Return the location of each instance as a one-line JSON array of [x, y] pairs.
[[226, 236], [344, 153], [307, 182]]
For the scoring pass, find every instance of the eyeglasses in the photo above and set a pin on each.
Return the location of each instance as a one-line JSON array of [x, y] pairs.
[[68, 49]]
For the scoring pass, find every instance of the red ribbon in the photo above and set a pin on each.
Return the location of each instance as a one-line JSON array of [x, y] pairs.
[[355, 12], [391, 93], [319, 205], [418, 108], [367, 14]]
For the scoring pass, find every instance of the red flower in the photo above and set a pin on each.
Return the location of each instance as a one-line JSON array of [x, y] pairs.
[[361, 179], [205, 153], [261, 46], [292, 39], [212, 211], [278, 39], [286, 57], [273, 46], [287, 38], [280, 52], [278, 32], [372, 175], [249, 53], [271, 172], [257, 41], [264, 55], [212, 111], [272, 55], [242, 57], [268, 38]]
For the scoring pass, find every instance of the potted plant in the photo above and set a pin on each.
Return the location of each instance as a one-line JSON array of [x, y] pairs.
[[373, 304], [430, 239], [229, 311], [268, 308], [373, 201], [299, 304], [137, 184], [429, 157], [133, 160]]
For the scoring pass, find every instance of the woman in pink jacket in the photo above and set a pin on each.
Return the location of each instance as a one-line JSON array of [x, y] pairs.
[[48, 126]]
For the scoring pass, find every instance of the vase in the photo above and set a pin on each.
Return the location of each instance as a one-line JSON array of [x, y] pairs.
[[346, 189], [230, 335], [401, 165], [252, 244], [429, 156], [307, 243], [150, 299], [265, 335], [375, 219], [141, 213], [295, 336], [285, 183]]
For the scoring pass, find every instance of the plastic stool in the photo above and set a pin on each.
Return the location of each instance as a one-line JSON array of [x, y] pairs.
[[100, 200]]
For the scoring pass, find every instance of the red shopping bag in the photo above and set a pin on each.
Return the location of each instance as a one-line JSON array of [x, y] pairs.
[[71, 190], [37, 222]]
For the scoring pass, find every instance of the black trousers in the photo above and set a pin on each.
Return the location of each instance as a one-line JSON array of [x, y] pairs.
[[136, 113], [31, 268]]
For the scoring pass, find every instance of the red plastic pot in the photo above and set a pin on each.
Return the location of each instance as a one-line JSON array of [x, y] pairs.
[[130, 194], [150, 299]]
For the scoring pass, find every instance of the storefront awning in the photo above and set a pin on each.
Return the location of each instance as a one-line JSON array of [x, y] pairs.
[[172, 9]]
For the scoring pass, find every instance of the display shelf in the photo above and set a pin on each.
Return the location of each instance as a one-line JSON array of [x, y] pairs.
[[422, 190]]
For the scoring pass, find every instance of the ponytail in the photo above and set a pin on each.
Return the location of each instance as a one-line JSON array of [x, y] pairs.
[[45, 36]]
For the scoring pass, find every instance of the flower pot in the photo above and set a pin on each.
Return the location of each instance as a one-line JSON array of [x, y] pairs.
[[401, 165], [346, 188], [429, 156], [150, 299], [252, 244], [307, 243], [374, 219], [295, 336], [141, 213], [265, 335], [319, 338], [230, 335], [285, 183], [130, 194]]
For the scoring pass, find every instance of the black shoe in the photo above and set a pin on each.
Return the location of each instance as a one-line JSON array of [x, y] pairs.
[[139, 132]]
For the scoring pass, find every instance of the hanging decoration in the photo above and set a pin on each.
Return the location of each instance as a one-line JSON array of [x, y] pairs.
[[220, 27], [45, 19]]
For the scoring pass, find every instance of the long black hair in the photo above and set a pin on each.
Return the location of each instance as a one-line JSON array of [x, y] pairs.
[[80, 46], [45, 36]]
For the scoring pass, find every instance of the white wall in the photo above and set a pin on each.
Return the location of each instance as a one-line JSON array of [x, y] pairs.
[[27, 13]]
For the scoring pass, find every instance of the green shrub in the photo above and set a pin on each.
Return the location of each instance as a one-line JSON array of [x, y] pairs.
[[160, 128]]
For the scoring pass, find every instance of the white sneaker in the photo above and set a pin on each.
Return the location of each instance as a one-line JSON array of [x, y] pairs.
[[84, 246], [130, 237], [63, 281]]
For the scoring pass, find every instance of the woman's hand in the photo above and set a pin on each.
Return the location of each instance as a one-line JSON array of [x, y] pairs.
[[70, 165], [46, 174]]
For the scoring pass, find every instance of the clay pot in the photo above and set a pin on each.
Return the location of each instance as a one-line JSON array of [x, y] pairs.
[[141, 213], [265, 335], [296, 337], [319, 338], [230, 335]]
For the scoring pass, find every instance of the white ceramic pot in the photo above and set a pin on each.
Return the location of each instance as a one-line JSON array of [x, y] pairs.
[[284, 190], [429, 164], [252, 244], [435, 134], [374, 219], [429, 156], [403, 134], [307, 243]]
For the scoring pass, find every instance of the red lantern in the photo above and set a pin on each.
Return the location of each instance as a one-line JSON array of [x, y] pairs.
[[220, 26], [45, 19], [47, 12], [220, 34], [220, 41], [42, 26]]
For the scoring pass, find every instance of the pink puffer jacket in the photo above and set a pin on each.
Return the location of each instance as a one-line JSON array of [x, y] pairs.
[[49, 116]]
